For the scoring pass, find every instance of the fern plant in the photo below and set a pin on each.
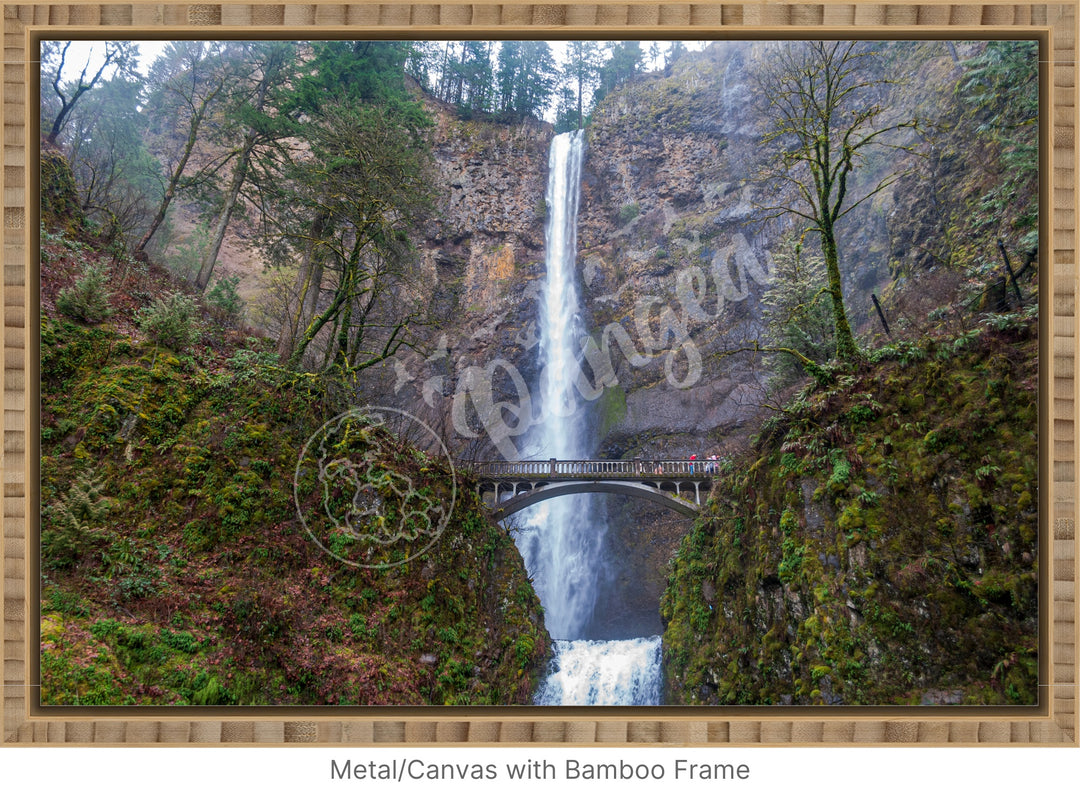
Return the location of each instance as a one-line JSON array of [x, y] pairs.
[[170, 321], [72, 526]]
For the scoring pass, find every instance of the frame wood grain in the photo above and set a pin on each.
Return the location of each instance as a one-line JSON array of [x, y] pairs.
[[1052, 722]]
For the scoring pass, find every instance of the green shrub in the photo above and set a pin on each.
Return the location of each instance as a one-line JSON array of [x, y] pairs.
[[170, 321], [225, 302], [128, 574], [87, 300], [628, 213]]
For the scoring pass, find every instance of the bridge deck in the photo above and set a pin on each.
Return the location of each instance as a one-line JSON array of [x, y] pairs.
[[577, 470], [530, 481]]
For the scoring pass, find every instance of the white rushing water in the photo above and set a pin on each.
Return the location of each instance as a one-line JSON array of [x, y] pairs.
[[561, 539], [607, 672]]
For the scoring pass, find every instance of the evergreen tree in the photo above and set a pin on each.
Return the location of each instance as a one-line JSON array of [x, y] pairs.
[[526, 78], [361, 72], [797, 313], [477, 76], [345, 202], [261, 70], [654, 55], [580, 75], [674, 52], [625, 60], [465, 76], [362, 189], [1001, 104]]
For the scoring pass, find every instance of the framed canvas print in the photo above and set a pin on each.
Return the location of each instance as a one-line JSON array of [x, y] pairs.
[[405, 380]]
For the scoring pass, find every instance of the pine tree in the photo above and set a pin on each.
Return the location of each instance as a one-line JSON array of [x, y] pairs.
[[580, 75], [625, 60], [797, 314], [526, 78]]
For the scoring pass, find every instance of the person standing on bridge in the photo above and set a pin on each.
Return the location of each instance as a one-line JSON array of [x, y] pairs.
[[692, 458]]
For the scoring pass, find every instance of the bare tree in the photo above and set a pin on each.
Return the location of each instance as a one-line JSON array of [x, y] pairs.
[[118, 55], [190, 77], [827, 105], [118, 180]]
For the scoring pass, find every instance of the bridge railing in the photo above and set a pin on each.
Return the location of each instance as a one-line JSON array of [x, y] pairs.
[[556, 468]]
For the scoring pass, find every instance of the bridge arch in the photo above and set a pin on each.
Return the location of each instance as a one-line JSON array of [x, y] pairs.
[[541, 492]]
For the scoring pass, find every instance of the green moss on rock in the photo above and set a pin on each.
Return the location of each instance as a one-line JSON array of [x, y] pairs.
[[918, 584]]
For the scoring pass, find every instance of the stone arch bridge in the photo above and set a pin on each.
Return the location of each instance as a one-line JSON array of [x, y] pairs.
[[509, 487]]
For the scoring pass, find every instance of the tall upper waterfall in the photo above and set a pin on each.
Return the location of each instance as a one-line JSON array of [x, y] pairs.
[[562, 539]]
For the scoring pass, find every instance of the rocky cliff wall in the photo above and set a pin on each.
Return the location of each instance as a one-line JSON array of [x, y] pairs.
[[674, 254]]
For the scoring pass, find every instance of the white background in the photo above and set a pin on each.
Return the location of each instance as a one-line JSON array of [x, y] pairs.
[[780, 773]]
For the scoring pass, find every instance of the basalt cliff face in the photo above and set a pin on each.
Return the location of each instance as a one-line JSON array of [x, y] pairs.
[[671, 263], [670, 256], [676, 247]]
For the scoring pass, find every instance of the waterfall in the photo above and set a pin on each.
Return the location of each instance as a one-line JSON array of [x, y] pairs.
[[612, 672], [561, 539]]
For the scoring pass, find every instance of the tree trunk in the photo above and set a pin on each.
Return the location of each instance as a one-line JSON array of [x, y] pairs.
[[174, 179], [206, 268], [272, 71], [314, 328], [308, 288], [846, 349], [341, 304]]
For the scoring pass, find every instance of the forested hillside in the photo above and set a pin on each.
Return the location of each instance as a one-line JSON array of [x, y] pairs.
[[876, 541], [174, 569]]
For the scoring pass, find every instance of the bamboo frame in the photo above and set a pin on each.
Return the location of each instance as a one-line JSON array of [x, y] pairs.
[[1053, 722]]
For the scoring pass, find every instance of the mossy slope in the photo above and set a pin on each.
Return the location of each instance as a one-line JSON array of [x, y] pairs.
[[175, 569], [879, 546]]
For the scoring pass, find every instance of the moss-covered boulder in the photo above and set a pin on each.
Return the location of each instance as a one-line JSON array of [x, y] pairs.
[[60, 207]]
